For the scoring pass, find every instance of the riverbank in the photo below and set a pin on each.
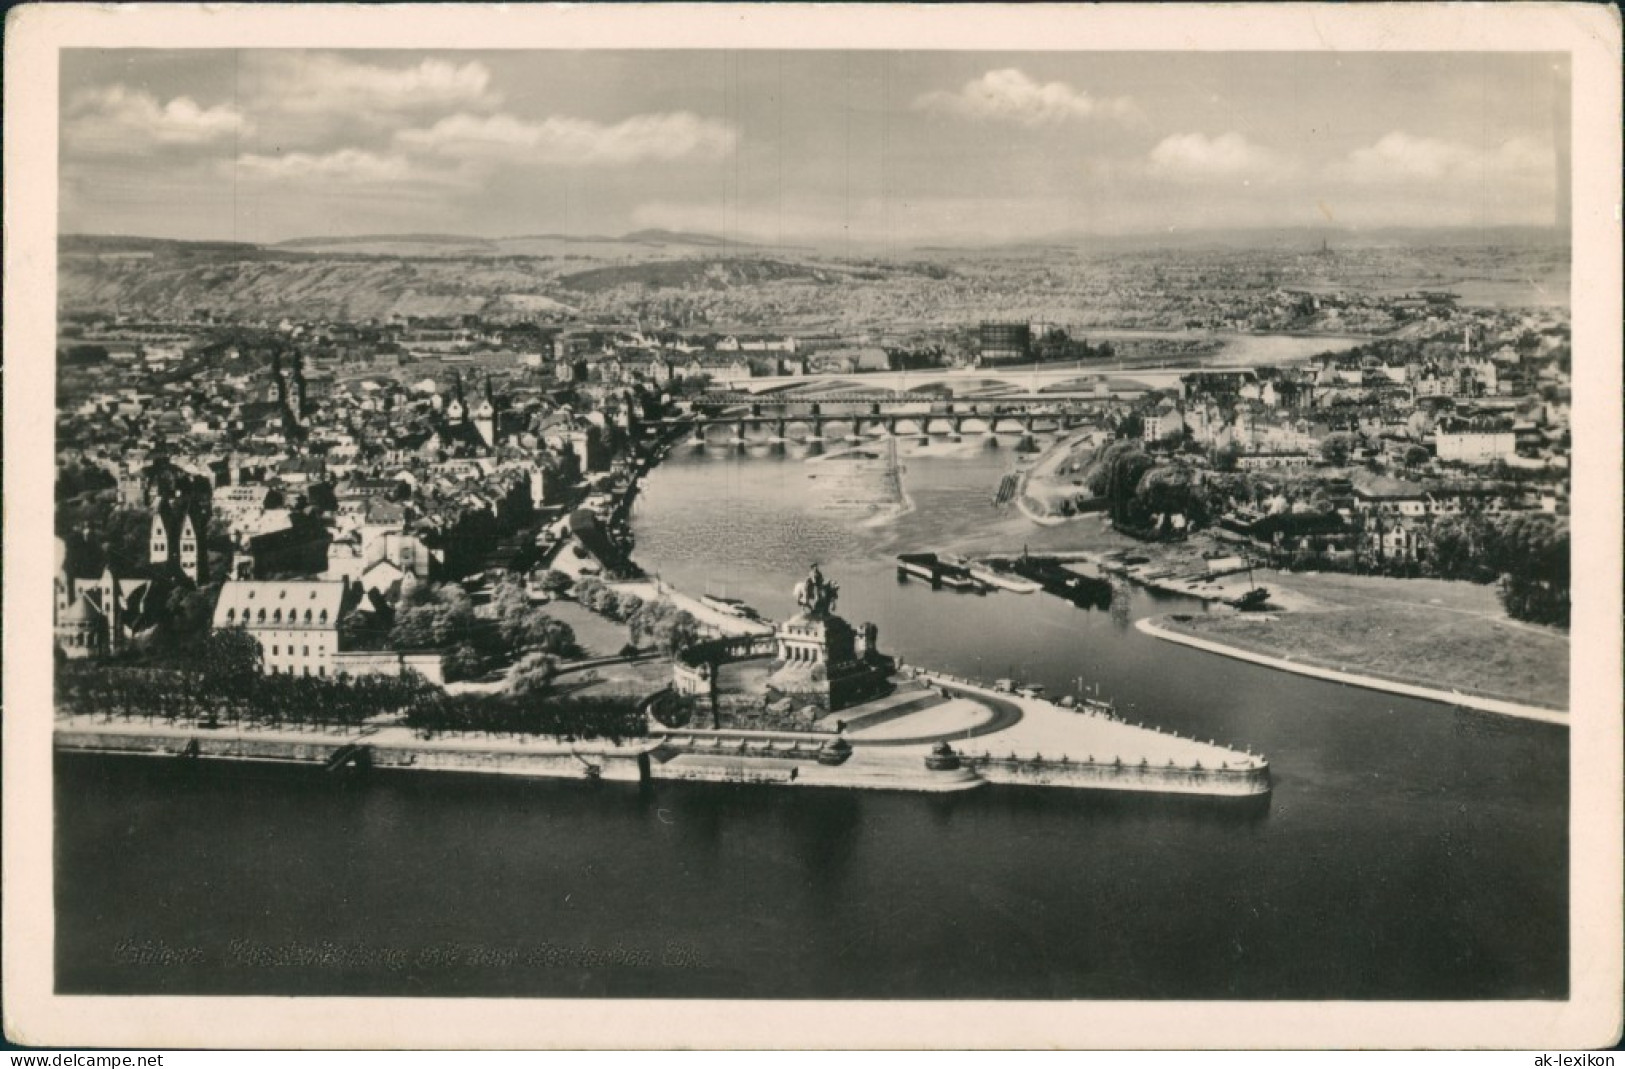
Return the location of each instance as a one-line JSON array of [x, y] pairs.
[[1441, 635], [1036, 487], [1027, 741], [771, 758], [1170, 630]]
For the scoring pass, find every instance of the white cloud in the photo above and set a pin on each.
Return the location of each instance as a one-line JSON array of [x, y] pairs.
[[1009, 95], [561, 140], [1402, 157], [301, 82], [115, 119], [1198, 157], [349, 167]]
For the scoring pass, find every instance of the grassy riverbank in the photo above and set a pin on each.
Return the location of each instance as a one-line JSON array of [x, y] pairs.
[[1430, 633], [1425, 632], [1043, 491]]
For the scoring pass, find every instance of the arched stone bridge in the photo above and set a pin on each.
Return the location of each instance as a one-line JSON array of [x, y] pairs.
[[907, 417], [1053, 379]]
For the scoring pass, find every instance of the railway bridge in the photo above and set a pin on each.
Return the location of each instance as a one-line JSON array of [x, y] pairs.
[[893, 414]]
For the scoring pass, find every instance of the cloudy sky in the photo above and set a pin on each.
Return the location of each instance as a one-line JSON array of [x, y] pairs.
[[873, 148]]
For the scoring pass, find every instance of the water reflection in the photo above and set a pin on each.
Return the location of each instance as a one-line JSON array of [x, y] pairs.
[[1409, 850], [1130, 806]]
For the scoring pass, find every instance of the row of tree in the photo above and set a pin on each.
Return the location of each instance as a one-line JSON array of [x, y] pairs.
[[659, 623], [229, 690], [1527, 552], [613, 717], [225, 687]]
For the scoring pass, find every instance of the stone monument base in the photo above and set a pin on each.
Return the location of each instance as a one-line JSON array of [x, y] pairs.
[[820, 658], [832, 687]]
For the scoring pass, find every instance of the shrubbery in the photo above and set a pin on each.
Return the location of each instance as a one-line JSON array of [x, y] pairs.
[[669, 628], [610, 717], [176, 696]]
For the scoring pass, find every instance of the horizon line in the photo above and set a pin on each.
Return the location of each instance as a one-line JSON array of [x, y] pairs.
[[630, 236]]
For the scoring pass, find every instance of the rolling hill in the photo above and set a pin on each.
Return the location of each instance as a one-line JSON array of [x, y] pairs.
[[715, 274]]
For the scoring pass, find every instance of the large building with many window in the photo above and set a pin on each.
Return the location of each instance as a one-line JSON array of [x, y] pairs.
[[295, 621], [1475, 441], [1004, 343]]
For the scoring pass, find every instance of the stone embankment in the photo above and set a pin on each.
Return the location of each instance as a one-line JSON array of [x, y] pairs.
[[1048, 746]]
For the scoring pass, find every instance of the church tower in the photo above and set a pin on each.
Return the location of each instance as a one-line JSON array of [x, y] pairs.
[[485, 418], [297, 391], [457, 409], [111, 610], [279, 383], [158, 539], [290, 393], [191, 555]]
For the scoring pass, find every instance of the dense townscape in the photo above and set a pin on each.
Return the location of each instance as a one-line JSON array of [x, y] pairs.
[[850, 522], [401, 494]]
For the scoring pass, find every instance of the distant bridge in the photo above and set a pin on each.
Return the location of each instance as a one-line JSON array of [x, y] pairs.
[[896, 413], [877, 401], [1053, 379], [875, 419]]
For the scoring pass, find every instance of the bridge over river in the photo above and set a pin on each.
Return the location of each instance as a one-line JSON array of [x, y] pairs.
[[888, 412], [1052, 380]]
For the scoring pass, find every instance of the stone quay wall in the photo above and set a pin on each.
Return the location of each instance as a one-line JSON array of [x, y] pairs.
[[1096, 775], [233, 747], [554, 760]]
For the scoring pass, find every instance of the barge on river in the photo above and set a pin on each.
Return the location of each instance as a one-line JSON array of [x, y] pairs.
[[1003, 577], [1085, 591], [939, 572]]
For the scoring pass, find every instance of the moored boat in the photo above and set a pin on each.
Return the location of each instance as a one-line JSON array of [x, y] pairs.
[[939, 571], [1004, 580]]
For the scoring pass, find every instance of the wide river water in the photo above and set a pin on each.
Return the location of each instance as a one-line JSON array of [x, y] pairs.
[[1410, 850]]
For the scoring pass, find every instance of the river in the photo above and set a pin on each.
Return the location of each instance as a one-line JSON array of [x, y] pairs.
[[1410, 850]]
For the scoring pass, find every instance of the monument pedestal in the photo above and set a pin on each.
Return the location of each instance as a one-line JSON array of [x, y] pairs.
[[822, 658]]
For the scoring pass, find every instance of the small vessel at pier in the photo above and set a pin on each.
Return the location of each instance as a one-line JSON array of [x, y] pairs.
[[1004, 580], [1082, 590], [939, 572]]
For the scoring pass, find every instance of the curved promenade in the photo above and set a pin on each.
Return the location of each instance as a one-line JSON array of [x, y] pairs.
[[1352, 679], [1005, 714]]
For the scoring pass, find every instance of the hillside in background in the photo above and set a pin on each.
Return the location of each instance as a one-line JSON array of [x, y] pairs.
[[637, 245], [670, 279], [1273, 239], [715, 274], [305, 287], [376, 276]]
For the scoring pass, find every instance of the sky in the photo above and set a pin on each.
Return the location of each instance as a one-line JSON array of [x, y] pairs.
[[872, 148]]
